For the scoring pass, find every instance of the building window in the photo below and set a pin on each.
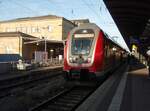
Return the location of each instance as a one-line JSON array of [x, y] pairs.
[[10, 30], [24, 29], [28, 30], [7, 30], [38, 29], [18, 29], [33, 30], [49, 28]]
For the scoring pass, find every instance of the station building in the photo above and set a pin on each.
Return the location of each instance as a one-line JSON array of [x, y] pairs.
[[12, 46], [23, 36], [50, 27]]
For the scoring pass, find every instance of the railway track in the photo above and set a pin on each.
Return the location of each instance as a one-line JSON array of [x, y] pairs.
[[67, 100], [25, 83]]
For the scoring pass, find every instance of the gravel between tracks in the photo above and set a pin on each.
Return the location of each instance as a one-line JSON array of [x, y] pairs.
[[23, 100]]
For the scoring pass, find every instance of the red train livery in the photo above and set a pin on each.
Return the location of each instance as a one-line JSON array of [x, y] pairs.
[[89, 53]]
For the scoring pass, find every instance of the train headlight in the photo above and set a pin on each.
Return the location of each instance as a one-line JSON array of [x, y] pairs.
[[70, 59], [89, 60], [85, 60], [74, 59]]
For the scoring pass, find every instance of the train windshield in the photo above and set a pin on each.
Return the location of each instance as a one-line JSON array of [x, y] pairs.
[[81, 46], [82, 41]]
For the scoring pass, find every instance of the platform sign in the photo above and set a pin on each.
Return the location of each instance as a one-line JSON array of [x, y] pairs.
[[134, 47], [148, 52]]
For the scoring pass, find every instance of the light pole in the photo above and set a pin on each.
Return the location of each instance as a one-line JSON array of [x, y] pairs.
[[45, 45], [43, 33], [45, 49], [51, 52]]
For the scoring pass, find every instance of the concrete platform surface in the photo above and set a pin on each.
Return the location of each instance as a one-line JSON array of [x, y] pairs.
[[137, 92]]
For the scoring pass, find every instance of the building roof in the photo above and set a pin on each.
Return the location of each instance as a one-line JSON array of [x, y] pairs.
[[37, 18], [33, 18], [80, 21], [43, 41]]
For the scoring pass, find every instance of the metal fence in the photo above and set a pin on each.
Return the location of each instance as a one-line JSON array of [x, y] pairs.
[[13, 65], [48, 62]]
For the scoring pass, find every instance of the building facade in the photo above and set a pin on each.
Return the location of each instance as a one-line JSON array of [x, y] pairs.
[[18, 45], [20, 38], [12, 46], [49, 27]]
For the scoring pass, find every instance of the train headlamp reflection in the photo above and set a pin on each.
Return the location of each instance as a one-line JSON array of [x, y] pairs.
[[114, 49], [89, 60], [72, 59], [84, 60]]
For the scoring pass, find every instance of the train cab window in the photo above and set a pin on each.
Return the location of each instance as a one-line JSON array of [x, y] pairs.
[[82, 41], [81, 46]]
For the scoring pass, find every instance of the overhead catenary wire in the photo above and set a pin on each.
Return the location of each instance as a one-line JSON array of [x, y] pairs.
[[55, 6], [72, 10], [107, 17], [102, 9], [91, 8], [25, 7]]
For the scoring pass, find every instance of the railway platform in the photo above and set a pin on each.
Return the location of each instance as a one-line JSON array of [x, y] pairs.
[[129, 92], [136, 96], [17, 73]]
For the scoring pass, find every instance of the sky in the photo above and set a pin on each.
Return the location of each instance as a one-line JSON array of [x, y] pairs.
[[95, 11]]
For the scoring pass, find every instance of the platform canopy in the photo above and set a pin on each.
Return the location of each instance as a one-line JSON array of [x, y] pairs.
[[132, 18]]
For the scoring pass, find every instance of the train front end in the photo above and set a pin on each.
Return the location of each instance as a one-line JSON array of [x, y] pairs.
[[83, 52]]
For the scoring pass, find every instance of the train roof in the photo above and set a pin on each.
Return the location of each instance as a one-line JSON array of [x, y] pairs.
[[88, 25], [94, 26]]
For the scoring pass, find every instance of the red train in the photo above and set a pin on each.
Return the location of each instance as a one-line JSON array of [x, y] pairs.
[[89, 53]]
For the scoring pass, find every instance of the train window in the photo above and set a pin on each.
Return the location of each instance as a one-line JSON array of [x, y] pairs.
[[81, 46], [82, 41]]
